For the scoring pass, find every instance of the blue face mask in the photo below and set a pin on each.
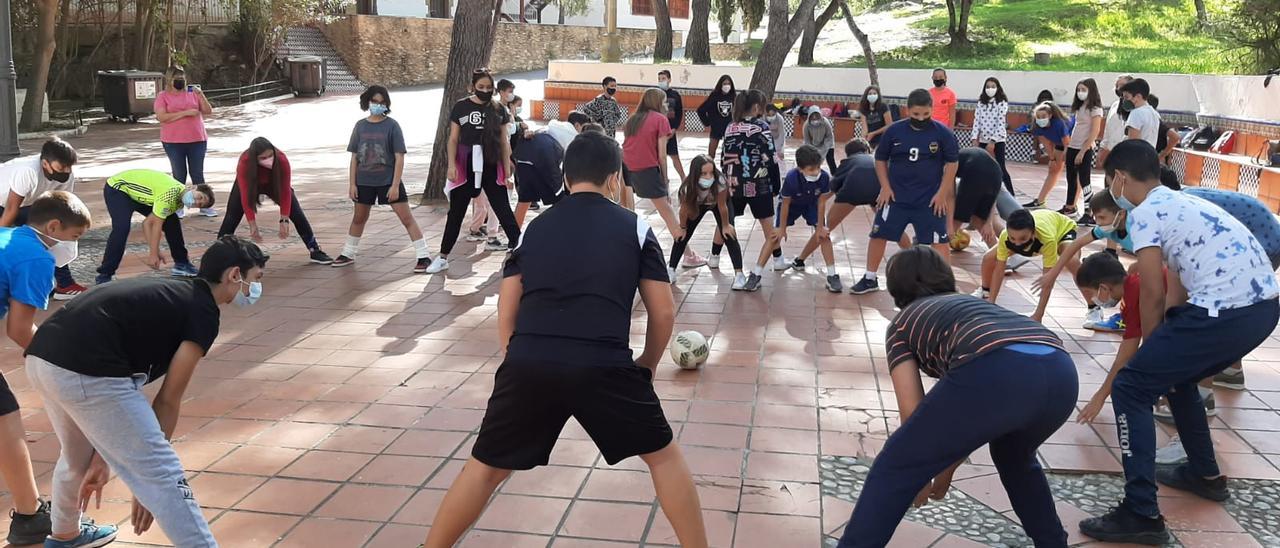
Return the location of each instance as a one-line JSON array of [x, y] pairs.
[[255, 292], [189, 199], [1121, 201], [377, 110]]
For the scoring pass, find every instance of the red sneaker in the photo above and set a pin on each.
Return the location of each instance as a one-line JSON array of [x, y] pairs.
[[69, 292]]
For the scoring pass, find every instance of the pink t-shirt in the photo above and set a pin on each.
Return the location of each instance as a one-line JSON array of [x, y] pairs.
[[183, 130], [640, 151], [943, 100]]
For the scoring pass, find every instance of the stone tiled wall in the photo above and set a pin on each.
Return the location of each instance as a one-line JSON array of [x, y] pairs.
[[407, 51]]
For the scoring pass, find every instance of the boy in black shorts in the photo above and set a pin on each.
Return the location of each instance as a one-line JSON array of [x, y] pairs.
[[804, 194], [565, 336], [978, 180]]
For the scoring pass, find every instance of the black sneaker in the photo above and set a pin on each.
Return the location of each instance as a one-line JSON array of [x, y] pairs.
[[1086, 219], [495, 244], [1033, 204], [421, 266], [342, 261], [753, 283], [1122, 525], [798, 264], [833, 284], [1182, 478], [864, 286], [30, 529], [320, 257]]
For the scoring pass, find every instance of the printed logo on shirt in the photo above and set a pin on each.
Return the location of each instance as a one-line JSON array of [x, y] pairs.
[[933, 147], [475, 118]]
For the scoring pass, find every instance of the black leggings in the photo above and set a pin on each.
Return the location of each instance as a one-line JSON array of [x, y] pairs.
[[1004, 170], [1078, 177], [831, 159], [235, 211], [460, 199], [677, 248]]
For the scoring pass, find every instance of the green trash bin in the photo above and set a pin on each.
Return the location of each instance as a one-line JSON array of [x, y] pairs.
[[129, 94]]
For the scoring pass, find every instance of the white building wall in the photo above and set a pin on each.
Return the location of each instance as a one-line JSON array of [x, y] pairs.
[[551, 15]]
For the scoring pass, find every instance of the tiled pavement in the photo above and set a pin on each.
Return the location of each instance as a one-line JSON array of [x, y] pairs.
[[337, 410]]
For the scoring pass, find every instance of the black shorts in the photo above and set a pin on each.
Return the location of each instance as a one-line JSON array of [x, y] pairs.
[[975, 203], [531, 187], [718, 132], [858, 193], [761, 206], [532, 400], [673, 146], [368, 195], [8, 402]]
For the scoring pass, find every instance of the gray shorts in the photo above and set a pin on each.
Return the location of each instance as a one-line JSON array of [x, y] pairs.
[[647, 183]]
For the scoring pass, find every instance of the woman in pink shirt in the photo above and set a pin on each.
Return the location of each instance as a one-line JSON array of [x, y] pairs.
[[181, 110]]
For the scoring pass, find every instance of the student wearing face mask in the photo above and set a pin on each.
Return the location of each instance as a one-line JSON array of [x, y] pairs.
[[1113, 130], [1143, 121], [749, 159], [1050, 129], [716, 111], [1112, 227], [875, 118], [604, 109], [805, 194], [1086, 108], [157, 196], [264, 171], [944, 99], [1040, 233], [991, 125], [28, 256], [916, 164], [819, 134], [675, 115], [180, 108], [129, 334], [23, 180], [704, 191]]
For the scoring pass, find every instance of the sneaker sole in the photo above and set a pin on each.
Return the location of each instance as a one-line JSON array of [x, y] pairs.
[[1220, 384], [863, 292], [66, 297], [313, 261], [1207, 495], [336, 264]]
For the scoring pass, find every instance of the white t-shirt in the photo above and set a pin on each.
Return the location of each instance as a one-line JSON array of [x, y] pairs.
[[1113, 132], [25, 177], [1147, 121], [1218, 260]]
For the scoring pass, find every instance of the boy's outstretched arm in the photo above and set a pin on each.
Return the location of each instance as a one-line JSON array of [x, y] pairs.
[[508, 305], [661, 307]]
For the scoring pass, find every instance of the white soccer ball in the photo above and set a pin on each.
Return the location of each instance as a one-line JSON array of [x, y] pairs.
[[689, 349]]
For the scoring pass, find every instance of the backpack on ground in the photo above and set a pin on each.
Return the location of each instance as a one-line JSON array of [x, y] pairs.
[[1225, 144]]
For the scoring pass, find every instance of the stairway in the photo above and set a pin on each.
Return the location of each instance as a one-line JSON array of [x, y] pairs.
[[310, 41]]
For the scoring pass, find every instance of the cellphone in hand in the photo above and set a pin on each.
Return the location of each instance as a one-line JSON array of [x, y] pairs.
[[193, 88]]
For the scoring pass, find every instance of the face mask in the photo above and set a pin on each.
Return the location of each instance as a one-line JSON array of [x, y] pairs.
[[189, 199], [663, 84], [815, 122], [378, 110], [267, 162], [1126, 105], [63, 251], [939, 83], [1107, 229], [1030, 248], [58, 176], [1042, 122], [517, 110], [506, 97], [921, 124], [1082, 95], [871, 97], [611, 91], [255, 292], [705, 183], [484, 96], [813, 178], [726, 88], [179, 83], [991, 92], [1119, 93], [1105, 304], [1121, 201]]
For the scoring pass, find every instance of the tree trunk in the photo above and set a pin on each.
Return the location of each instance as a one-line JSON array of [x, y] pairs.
[[662, 19], [958, 24], [864, 40], [470, 44], [697, 47], [560, 11], [811, 31], [1202, 15], [46, 41], [782, 35], [438, 8]]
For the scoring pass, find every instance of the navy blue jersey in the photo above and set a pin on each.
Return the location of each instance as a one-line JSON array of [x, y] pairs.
[[801, 191], [916, 158]]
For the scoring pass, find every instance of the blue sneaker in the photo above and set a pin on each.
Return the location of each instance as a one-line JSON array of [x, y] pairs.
[[1114, 324], [186, 270], [91, 536]]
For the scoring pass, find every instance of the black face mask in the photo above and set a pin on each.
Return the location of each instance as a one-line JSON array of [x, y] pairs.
[[58, 176], [1027, 250], [920, 124], [611, 91], [939, 83], [179, 83], [484, 96]]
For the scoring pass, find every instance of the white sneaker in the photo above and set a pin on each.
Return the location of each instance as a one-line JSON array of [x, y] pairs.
[[1094, 317], [739, 281], [439, 265], [209, 212], [180, 213], [981, 293], [781, 263], [671, 274], [1015, 262], [713, 262], [1172, 453]]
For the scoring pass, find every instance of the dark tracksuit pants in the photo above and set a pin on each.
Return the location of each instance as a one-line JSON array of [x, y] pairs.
[[460, 199], [678, 247], [121, 209], [235, 212], [61, 274], [1009, 399], [1189, 345]]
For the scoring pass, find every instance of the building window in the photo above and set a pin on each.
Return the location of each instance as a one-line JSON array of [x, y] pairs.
[[679, 9]]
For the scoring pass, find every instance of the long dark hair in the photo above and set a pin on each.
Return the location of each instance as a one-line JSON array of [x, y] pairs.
[[865, 106], [256, 147], [492, 138], [689, 188], [1093, 101], [746, 102], [916, 273], [733, 90], [1000, 96]]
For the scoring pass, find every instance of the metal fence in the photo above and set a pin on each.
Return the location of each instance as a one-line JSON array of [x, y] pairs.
[[194, 12], [245, 94]]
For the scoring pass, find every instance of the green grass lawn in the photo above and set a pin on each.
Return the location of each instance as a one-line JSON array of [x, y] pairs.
[[1081, 35]]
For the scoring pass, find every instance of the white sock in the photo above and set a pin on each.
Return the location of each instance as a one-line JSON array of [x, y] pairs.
[[870, 276], [757, 270], [420, 247], [831, 268], [1205, 392], [352, 247]]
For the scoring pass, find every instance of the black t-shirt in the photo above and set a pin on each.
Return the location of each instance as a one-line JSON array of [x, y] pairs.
[[855, 181], [581, 314], [128, 326], [875, 118], [675, 108], [943, 332], [978, 173], [474, 119]]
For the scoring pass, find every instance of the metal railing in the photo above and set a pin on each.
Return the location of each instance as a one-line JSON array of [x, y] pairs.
[[244, 94], [194, 12]]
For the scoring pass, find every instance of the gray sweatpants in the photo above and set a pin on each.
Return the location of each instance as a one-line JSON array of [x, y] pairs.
[[1006, 204], [113, 415]]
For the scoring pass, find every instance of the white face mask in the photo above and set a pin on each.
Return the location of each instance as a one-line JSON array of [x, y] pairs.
[[663, 84], [872, 97], [1042, 122], [1105, 304], [1082, 95], [64, 251], [991, 92], [706, 183], [255, 292], [725, 88], [813, 178], [517, 110]]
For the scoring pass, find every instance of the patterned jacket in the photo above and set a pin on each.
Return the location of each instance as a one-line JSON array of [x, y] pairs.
[[606, 111], [748, 155]]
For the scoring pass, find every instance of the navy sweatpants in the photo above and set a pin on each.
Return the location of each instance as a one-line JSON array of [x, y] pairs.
[[1010, 399], [1189, 345], [121, 209]]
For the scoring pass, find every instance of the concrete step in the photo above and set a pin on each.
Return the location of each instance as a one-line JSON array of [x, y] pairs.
[[308, 41]]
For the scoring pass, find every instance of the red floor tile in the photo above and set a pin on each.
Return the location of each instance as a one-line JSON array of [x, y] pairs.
[[250, 529], [764, 530], [546, 481], [523, 514], [782, 467], [256, 460], [719, 526], [327, 465], [607, 520], [365, 502], [788, 498], [398, 470], [329, 532], [287, 496]]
